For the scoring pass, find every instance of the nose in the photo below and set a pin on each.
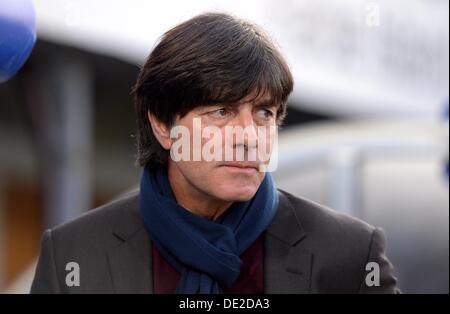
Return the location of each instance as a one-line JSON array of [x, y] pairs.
[[247, 136]]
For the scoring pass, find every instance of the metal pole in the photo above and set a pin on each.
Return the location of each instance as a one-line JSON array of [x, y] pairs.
[[68, 136]]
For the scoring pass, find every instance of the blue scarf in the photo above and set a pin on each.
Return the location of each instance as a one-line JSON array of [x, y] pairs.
[[205, 253]]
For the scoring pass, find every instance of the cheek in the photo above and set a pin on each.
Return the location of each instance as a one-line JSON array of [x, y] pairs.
[[267, 141]]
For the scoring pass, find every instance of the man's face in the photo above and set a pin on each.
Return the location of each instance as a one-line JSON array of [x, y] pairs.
[[228, 148]]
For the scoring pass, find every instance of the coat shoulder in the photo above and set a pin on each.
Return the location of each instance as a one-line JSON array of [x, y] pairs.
[[87, 242], [342, 247], [94, 228], [321, 221]]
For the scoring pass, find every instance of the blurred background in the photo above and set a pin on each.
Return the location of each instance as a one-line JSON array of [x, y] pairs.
[[366, 132]]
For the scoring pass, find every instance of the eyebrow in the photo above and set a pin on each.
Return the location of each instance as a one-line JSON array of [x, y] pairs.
[[265, 103]]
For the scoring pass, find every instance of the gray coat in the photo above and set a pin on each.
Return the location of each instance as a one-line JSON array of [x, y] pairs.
[[307, 249]]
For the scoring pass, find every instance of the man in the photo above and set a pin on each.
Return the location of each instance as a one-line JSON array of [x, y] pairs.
[[205, 220]]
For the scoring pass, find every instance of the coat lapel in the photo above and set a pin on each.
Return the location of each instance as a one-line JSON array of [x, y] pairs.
[[287, 266], [130, 261]]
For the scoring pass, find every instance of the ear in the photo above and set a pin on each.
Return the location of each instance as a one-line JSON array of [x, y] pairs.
[[161, 131]]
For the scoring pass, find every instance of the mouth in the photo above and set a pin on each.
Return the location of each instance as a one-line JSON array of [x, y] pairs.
[[241, 167]]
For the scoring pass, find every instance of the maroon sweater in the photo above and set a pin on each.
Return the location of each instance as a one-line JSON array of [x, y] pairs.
[[250, 280]]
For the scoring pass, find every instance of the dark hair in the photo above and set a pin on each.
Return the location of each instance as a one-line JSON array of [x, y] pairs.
[[210, 59]]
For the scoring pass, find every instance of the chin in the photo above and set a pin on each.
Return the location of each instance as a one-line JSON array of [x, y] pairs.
[[237, 193]]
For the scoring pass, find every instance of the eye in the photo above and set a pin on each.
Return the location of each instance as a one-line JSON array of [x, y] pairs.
[[219, 113], [265, 114]]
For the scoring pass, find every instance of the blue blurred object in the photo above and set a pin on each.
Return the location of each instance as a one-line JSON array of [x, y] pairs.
[[17, 35], [446, 121]]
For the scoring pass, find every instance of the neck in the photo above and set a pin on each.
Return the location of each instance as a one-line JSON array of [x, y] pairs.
[[192, 199]]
